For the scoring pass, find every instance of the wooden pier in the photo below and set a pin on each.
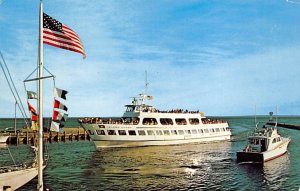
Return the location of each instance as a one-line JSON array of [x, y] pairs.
[[67, 134]]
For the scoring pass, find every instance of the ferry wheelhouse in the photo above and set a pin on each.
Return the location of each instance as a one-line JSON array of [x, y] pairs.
[[144, 125]]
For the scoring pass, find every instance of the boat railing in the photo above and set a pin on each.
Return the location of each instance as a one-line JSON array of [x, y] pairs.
[[213, 121], [99, 120], [153, 110]]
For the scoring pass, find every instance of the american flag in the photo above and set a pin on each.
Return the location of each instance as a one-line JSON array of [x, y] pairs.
[[59, 35]]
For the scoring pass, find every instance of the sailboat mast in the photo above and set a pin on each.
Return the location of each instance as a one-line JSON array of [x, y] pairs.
[[40, 185]]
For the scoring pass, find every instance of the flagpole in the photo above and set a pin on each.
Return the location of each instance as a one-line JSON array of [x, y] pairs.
[[40, 185]]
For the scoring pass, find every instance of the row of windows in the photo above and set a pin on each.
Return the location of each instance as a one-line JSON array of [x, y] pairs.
[[156, 132], [169, 121]]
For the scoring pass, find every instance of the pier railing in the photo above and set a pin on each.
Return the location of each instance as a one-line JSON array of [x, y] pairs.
[[30, 137]]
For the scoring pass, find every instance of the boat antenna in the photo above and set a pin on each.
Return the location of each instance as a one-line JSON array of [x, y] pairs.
[[146, 83], [143, 96], [256, 124], [276, 115]]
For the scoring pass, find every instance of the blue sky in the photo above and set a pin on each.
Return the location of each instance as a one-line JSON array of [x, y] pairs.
[[220, 57]]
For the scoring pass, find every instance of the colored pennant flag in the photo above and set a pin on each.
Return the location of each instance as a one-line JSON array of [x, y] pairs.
[[34, 117], [54, 126], [64, 117], [55, 114], [31, 95], [59, 116], [31, 109], [60, 93], [59, 105], [59, 35]]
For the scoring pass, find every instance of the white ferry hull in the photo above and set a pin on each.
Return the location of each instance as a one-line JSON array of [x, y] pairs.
[[107, 144], [261, 157], [214, 132]]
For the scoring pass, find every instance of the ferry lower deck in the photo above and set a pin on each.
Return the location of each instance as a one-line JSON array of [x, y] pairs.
[[132, 135]]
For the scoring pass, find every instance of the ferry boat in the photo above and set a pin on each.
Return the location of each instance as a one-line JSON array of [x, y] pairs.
[[264, 145], [144, 125]]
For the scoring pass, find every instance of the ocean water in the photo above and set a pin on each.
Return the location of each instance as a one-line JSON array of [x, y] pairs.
[[200, 166]]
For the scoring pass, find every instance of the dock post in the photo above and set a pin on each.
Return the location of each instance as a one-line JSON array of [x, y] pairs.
[[9, 139], [17, 138], [27, 136], [64, 136]]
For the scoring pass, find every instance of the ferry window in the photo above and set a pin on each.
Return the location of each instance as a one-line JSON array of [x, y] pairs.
[[180, 121], [180, 132], [187, 131], [135, 121], [131, 132], [129, 109], [137, 108], [100, 132], [274, 140], [212, 130], [158, 132], [116, 121], [278, 139], [200, 131], [111, 132], [166, 121], [91, 132], [194, 121], [206, 131], [101, 126], [122, 132], [141, 132], [173, 132], [217, 129], [194, 131], [131, 121], [166, 132], [150, 132], [222, 129], [149, 121]]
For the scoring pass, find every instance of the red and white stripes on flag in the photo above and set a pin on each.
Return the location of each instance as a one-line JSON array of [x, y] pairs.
[[34, 115], [59, 105], [59, 35], [59, 111], [59, 116]]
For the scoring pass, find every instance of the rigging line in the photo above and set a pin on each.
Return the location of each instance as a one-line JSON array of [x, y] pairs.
[[15, 89], [48, 71], [12, 90], [11, 156], [30, 74], [12, 82]]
